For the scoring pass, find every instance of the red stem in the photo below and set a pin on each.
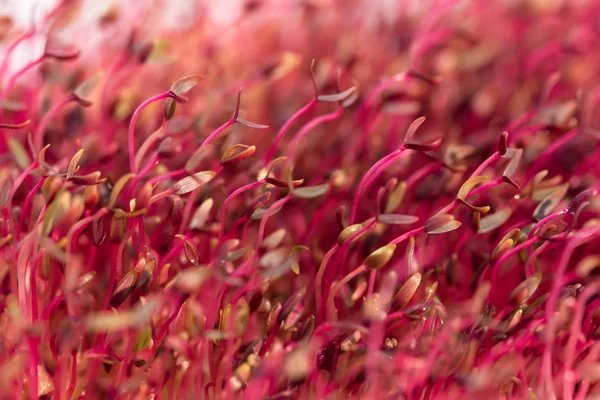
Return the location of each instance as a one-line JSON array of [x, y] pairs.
[[288, 124], [131, 131]]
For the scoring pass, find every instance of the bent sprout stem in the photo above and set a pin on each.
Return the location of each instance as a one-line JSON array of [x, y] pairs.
[[286, 127], [26, 35], [38, 137], [546, 382], [485, 164], [372, 174], [143, 149], [320, 120], [134, 118], [231, 197], [11, 49], [376, 92], [331, 298], [319, 280], [216, 132], [27, 204], [575, 334], [167, 175], [496, 265], [19, 73]]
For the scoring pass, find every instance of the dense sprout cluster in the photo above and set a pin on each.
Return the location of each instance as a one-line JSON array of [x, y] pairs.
[[318, 201]]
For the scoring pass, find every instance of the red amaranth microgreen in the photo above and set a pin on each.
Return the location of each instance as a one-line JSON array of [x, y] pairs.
[[153, 252]]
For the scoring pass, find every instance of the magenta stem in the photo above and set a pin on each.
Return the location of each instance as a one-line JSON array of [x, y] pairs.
[[169, 175], [331, 298], [38, 137], [231, 197], [314, 123], [134, 118], [73, 381], [27, 203], [372, 174], [288, 124], [216, 132], [485, 164], [11, 48], [19, 73]]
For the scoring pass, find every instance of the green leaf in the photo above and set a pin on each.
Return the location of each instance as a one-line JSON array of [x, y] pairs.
[[310, 192], [192, 182], [397, 219], [441, 224]]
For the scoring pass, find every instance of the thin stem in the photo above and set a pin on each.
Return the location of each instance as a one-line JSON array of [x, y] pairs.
[[143, 172], [160, 196], [27, 203], [11, 48], [574, 335], [407, 235], [376, 92], [73, 381], [543, 158], [372, 174], [156, 135], [288, 124], [76, 229], [506, 256], [371, 285], [169, 175], [52, 305], [231, 197], [38, 137], [331, 298], [305, 130], [216, 132], [547, 219], [319, 279], [19, 73], [164, 330], [131, 132], [485, 164], [550, 330], [20, 179], [270, 211]]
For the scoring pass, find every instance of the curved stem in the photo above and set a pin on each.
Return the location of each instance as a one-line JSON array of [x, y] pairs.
[[331, 298], [270, 211], [485, 164], [217, 131], [131, 131], [376, 92], [505, 257], [19, 73], [172, 174], [11, 48], [372, 174], [27, 203], [288, 124], [549, 331], [291, 149], [18, 183], [38, 137], [319, 279], [73, 381], [231, 197], [407, 235], [574, 335], [156, 135]]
